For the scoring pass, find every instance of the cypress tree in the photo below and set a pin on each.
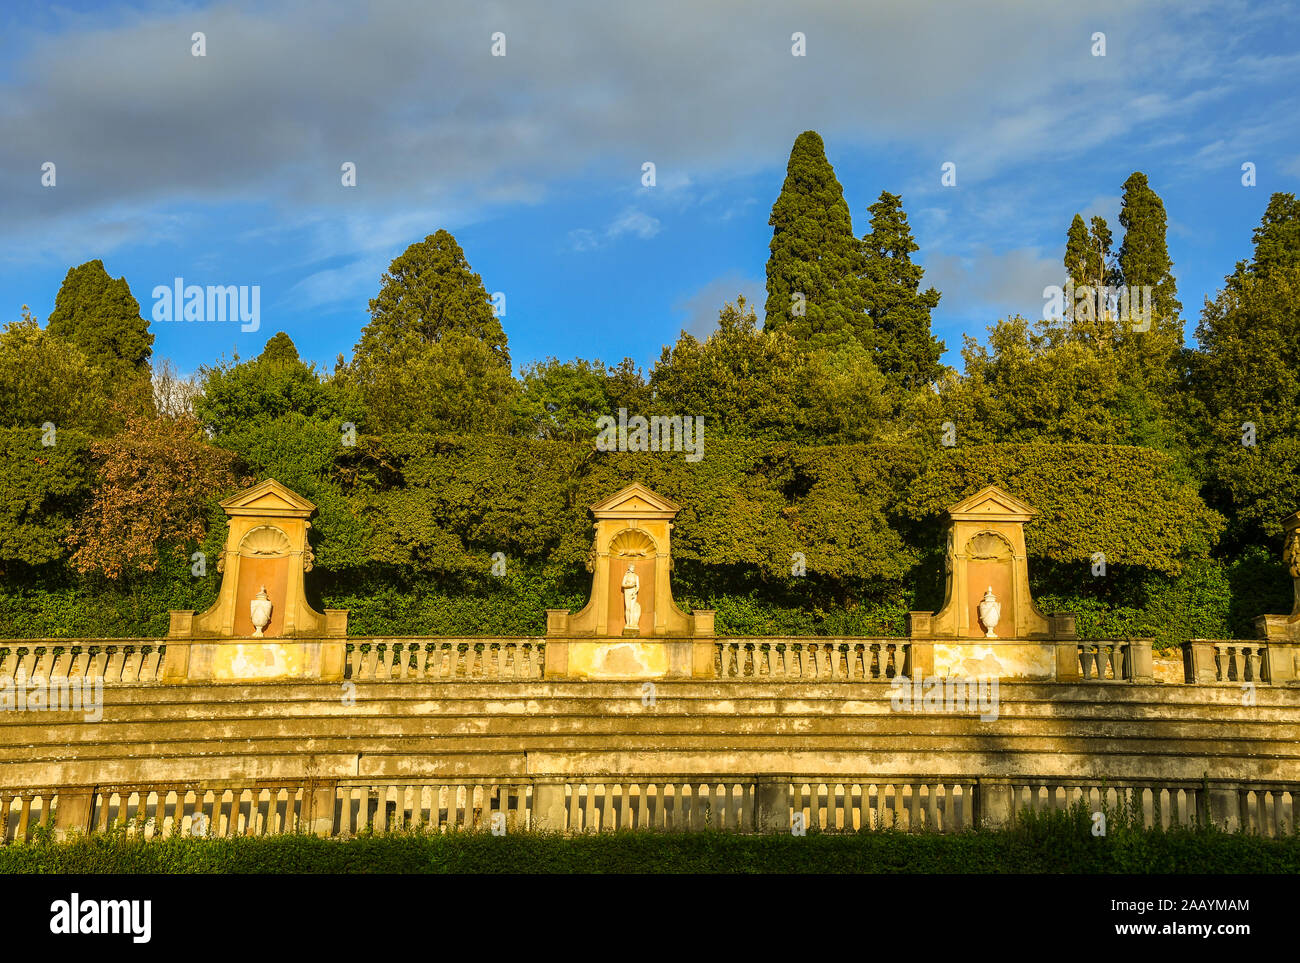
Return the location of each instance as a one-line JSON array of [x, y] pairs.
[[897, 311], [814, 252], [1076, 252], [1144, 255], [100, 316]]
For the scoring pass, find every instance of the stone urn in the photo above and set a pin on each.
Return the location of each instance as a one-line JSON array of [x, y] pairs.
[[990, 611], [260, 611]]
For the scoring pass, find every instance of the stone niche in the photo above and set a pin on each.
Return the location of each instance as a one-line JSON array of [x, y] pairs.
[[633, 534], [986, 552], [266, 549]]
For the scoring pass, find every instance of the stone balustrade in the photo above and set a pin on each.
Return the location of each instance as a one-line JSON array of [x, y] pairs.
[[460, 659], [1237, 661], [1108, 661], [113, 660], [845, 660], [146, 661], [607, 803]]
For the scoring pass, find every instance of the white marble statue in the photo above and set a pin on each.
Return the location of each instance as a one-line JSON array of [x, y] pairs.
[[631, 607], [260, 612], [990, 611]]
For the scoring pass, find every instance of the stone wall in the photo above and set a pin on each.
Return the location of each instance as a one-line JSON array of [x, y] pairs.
[[306, 738]]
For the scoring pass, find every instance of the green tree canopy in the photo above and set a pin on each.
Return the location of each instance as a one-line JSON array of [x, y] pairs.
[[100, 316], [434, 355], [238, 395], [744, 380], [45, 378], [1277, 239], [42, 489], [1246, 396], [561, 400], [1036, 382], [457, 383], [429, 292]]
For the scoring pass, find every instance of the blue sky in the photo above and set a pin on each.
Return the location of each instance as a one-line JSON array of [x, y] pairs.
[[225, 169]]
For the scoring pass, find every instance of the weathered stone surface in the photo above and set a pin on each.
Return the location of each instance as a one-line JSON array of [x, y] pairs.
[[407, 730], [1023, 661]]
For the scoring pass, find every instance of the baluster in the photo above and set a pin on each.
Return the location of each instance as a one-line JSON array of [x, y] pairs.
[[113, 670], [131, 664], [152, 666], [36, 663]]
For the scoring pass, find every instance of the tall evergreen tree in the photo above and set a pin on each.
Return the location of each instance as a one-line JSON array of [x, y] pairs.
[[897, 315], [814, 252], [1076, 251], [1088, 259], [1100, 264], [1090, 265], [100, 316], [1277, 239], [428, 292], [434, 356], [1144, 254]]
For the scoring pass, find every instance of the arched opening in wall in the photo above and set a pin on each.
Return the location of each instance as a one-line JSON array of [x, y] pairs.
[[632, 553], [990, 564], [264, 557]]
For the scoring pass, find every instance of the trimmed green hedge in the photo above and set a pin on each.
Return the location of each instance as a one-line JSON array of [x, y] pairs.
[[1058, 844], [408, 526]]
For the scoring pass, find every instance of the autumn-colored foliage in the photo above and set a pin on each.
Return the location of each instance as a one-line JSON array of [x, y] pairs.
[[156, 481]]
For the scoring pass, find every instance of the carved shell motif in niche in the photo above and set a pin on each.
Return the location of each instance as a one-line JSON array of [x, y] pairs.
[[265, 541], [988, 545], [631, 543]]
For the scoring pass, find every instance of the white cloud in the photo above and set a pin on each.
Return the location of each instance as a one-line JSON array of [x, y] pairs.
[[634, 222], [631, 221]]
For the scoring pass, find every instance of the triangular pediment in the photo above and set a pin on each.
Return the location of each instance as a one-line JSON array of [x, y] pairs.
[[268, 498], [991, 502], [635, 501]]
